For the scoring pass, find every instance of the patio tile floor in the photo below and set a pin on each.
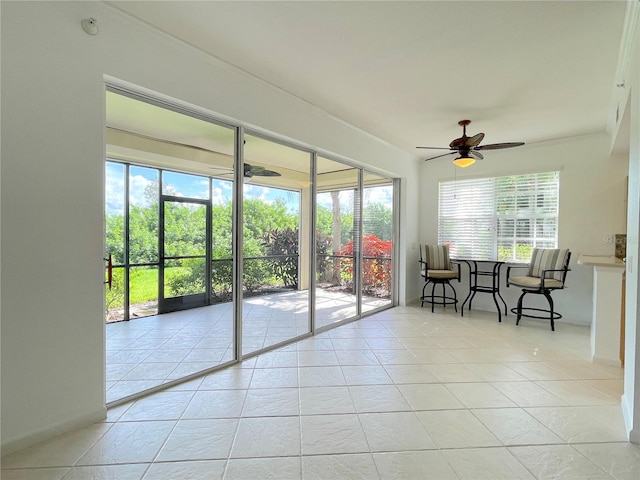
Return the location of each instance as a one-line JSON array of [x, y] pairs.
[[147, 352]]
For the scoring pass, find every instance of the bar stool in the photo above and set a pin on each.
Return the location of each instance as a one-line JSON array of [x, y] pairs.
[[437, 269], [547, 272]]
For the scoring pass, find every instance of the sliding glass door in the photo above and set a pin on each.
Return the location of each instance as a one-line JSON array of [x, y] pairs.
[[276, 236], [377, 242], [169, 209], [202, 214], [337, 245]]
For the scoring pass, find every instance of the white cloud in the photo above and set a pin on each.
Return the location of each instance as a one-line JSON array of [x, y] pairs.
[[114, 189], [204, 193], [219, 197], [263, 196], [137, 186], [382, 195], [345, 198]]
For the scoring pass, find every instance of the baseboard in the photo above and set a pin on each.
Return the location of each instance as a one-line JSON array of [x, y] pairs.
[[610, 362], [13, 445], [632, 433], [413, 302]]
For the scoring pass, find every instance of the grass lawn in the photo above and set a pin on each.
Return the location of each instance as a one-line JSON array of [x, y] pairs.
[[144, 284]]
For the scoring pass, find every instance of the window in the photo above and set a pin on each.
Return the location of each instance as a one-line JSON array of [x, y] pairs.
[[501, 218]]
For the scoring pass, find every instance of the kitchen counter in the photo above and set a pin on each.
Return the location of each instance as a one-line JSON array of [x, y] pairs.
[[601, 261], [607, 307]]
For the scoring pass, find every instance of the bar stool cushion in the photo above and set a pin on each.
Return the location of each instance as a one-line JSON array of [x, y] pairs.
[[450, 274], [534, 282]]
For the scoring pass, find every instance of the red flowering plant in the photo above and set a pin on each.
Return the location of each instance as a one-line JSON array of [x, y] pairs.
[[376, 265]]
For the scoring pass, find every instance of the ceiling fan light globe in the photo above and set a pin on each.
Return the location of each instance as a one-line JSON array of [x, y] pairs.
[[464, 161]]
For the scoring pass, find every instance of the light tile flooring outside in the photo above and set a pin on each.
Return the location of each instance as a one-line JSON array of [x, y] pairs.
[[147, 352], [402, 394]]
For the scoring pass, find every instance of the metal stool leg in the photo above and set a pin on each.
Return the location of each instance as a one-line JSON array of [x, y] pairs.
[[550, 300], [422, 297], [455, 298], [519, 311], [433, 288]]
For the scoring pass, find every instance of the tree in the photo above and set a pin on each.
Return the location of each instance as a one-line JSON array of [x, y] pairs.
[[376, 265], [283, 244], [324, 219], [115, 237], [143, 234], [337, 233], [378, 220], [261, 217]]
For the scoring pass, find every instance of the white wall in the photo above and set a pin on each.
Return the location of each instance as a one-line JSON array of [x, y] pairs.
[[53, 182], [592, 205], [630, 97]]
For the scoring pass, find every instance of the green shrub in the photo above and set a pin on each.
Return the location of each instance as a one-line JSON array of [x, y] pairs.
[[255, 273], [284, 245], [189, 279], [115, 294]]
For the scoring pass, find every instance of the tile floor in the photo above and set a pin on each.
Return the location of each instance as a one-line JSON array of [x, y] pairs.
[[147, 352], [403, 394]]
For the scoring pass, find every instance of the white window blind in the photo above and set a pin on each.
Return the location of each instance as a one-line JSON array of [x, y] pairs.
[[499, 218]]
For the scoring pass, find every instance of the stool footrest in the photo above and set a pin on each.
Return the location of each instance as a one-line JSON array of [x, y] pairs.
[[522, 313], [439, 300]]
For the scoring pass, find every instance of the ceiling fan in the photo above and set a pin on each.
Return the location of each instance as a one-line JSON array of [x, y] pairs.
[[255, 171], [469, 147]]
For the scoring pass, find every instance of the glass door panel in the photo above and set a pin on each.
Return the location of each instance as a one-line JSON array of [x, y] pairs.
[[276, 239], [221, 241], [160, 224], [115, 228], [221, 293], [377, 242], [143, 291], [337, 196], [144, 199]]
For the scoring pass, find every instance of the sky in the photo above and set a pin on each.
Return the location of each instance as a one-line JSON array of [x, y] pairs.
[[383, 194], [182, 185], [195, 186]]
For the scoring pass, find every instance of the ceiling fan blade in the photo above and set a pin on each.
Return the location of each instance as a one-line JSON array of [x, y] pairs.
[[477, 155], [436, 148], [498, 146], [458, 142], [438, 156], [252, 168], [474, 141], [266, 173]]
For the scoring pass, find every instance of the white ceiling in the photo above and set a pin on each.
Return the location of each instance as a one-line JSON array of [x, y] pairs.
[[407, 72]]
